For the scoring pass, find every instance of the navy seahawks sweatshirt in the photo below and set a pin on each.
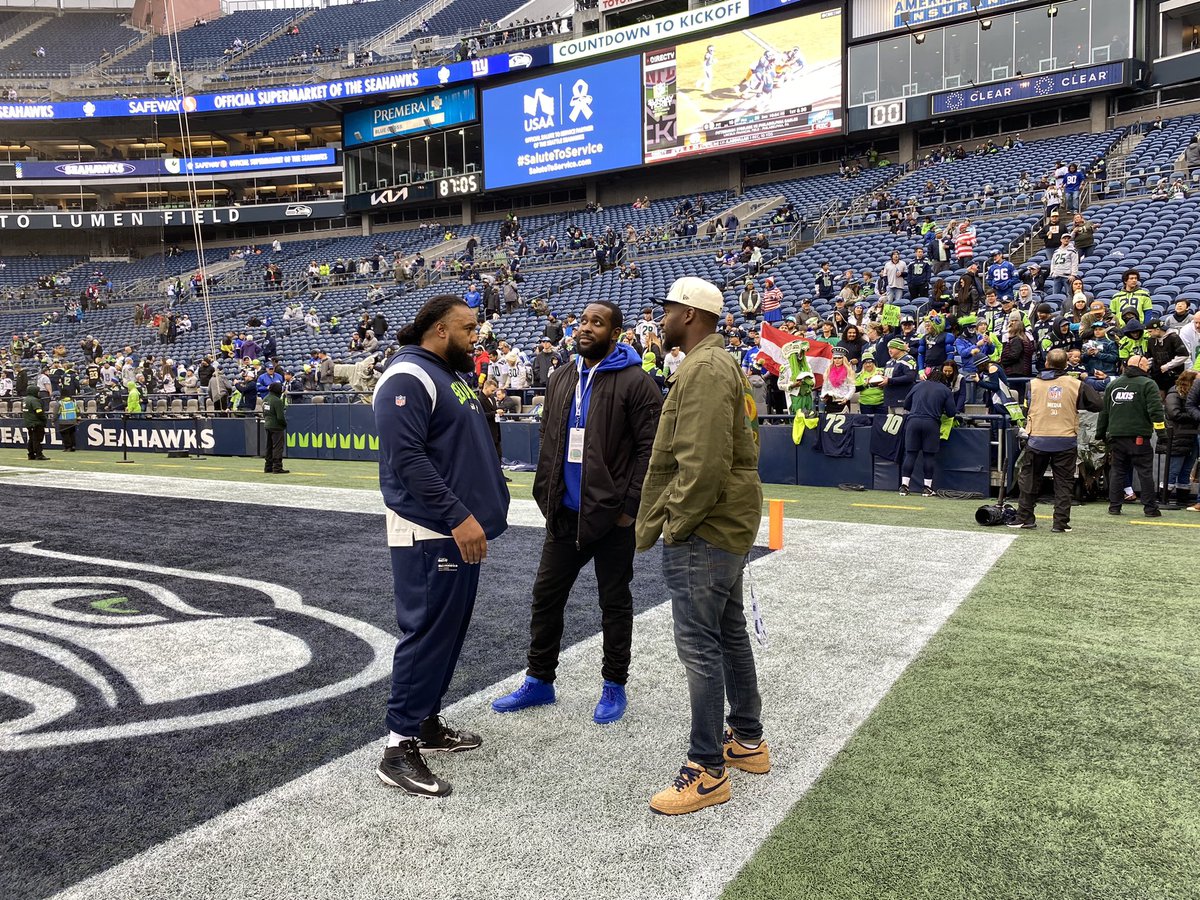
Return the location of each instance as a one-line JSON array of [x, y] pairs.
[[437, 462]]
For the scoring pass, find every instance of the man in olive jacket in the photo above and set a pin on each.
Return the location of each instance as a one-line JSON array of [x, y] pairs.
[[275, 421], [597, 432], [35, 421], [703, 495]]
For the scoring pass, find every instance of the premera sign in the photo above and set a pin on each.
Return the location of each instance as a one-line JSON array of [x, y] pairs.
[[411, 115]]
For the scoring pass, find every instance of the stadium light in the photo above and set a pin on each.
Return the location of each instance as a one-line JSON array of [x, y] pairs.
[[984, 24], [1051, 12], [919, 38]]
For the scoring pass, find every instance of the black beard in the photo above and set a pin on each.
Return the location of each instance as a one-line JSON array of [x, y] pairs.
[[595, 352], [460, 360]]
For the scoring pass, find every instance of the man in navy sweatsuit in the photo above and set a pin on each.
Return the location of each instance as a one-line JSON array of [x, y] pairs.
[[446, 498]]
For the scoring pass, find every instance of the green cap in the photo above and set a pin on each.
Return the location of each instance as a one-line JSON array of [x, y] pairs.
[[897, 344]]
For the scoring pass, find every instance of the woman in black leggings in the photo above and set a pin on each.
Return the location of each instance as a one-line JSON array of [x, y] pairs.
[[926, 403]]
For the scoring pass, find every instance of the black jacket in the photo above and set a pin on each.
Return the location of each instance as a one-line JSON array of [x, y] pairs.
[[622, 420], [1182, 424]]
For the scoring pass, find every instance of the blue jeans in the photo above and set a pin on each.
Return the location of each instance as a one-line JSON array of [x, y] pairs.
[[1181, 468], [705, 584]]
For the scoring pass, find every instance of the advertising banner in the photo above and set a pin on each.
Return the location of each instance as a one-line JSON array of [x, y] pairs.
[[870, 17], [562, 124], [409, 116], [341, 91], [158, 218], [660, 29], [151, 168], [1035, 87], [218, 437], [765, 83]]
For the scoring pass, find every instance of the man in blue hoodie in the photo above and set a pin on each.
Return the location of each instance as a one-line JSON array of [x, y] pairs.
[[446, 498], [597, 433], [1002, 275]]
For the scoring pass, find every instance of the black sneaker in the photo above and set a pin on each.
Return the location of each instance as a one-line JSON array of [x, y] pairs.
[[1114, 510], [928, 492], [1154, 513], [403, 767], [904, 491], [437, 735], [1060, 529], [1016, 524]]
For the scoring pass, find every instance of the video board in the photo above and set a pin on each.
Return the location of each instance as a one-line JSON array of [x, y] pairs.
[[563, 124], [759, 85], [408, 116]]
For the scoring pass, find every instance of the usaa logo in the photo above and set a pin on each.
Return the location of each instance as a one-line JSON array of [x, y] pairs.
[[104, 649]]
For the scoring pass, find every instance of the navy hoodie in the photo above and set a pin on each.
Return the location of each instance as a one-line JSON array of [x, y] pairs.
[[623, 356], [437, 462]]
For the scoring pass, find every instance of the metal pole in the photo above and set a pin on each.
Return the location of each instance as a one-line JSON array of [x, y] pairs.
[[124, 439]]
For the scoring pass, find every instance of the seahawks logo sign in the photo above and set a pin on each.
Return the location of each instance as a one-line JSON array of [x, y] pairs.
[[102, 649]]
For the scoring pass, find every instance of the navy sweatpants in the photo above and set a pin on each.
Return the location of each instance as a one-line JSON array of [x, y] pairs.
[[435, 596]]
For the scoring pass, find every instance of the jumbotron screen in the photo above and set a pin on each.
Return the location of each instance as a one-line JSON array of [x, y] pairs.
[[762, 84]]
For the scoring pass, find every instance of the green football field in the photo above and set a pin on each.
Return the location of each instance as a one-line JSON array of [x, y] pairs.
[[1042, 745]]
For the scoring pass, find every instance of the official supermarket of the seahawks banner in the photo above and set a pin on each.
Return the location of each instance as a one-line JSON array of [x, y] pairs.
[[168, 218], [348, 90]]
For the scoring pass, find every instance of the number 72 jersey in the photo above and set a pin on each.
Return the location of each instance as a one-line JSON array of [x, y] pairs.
[[835, 433]]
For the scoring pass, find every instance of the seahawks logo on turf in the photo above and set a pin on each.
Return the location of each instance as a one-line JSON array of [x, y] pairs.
[[102, 649]]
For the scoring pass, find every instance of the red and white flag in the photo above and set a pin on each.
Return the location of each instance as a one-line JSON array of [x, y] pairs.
[[770, 352]]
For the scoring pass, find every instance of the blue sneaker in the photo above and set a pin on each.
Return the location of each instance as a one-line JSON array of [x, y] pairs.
[[612, 703], [534, 692]]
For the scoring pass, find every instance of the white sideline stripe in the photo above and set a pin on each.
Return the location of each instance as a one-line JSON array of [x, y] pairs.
[[555, 806], [346, 500]]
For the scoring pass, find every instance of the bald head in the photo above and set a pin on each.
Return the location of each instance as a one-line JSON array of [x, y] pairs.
[[1139, 362], [1056, 359]]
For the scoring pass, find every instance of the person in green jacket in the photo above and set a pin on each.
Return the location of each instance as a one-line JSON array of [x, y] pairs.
[[703, 496], [35, 421], [275, 421], [870, 396], [1130, 295], [133, 402], [1133, 413]]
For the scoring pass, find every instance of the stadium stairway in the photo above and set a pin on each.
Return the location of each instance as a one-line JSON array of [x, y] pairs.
[[23, 26]]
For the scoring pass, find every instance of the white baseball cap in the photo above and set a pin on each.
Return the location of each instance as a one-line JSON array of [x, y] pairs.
[[696, 293]]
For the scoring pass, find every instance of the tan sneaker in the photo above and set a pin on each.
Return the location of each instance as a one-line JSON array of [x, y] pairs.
[[693, 789], [749, 759]]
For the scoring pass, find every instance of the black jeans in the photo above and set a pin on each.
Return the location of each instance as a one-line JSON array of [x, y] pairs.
[[274, 451], [67, 434], [560, 566], [1033, 468], [1125, 453]]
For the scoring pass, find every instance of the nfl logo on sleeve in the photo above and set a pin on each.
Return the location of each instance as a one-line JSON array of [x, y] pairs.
[[400, 400]]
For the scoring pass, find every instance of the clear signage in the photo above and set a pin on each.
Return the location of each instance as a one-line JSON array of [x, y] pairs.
[[167, 218], [346, 90], [149, 168], [410, 115], [760, 85], [1036, 87], [563, 124]]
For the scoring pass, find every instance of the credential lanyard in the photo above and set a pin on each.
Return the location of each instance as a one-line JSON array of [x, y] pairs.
[[581, 389]]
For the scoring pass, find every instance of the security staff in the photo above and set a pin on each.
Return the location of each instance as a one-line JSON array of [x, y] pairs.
[[446, 498], [275, 422], [1055, 399], [1133, 412], [598, 429], [35, 421]]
